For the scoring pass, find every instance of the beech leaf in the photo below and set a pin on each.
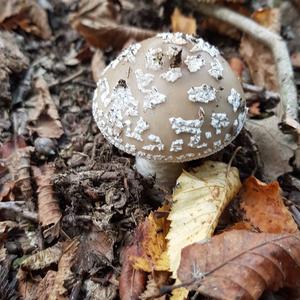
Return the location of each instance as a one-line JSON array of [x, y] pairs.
[[264, 208], [239, 264]]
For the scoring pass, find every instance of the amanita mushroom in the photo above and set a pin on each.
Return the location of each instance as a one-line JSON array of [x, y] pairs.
[[168, 100]]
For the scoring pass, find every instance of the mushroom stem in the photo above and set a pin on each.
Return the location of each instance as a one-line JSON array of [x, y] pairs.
[[165, 173]]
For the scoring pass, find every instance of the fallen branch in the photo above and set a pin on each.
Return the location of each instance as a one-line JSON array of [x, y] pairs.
[[277, 45], [17, 208]]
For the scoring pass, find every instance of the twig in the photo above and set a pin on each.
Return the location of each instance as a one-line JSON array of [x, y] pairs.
[[66, 79], [277, 45], [16, 208]]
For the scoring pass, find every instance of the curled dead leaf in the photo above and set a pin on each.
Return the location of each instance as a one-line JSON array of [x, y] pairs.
[[97, 22], [26, 14], [132, 282], [257, 262], [43, 117], [264, 207], [48, 207]]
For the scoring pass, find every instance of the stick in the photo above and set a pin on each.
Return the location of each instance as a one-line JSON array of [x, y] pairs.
[[22, 212], [277, 45]]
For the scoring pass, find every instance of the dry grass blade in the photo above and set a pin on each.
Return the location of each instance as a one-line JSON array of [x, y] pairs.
[[48, 207], [257, 262]]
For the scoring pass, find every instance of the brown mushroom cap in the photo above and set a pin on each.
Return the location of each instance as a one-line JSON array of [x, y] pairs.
[[172, 97]]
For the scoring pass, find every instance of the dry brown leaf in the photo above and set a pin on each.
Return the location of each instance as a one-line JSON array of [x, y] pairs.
[[16, 155], [97, 64], [26, 287], [275, 148], [27, 15], [98, 291], [257, 262], [132, 282], [151, 236], [264, 207], [42, 112], [182, 23], [48, 207], [12, 60], [237, 66], [64, 273], [258, 56], [43, 258], [97, 22], [45, 286]]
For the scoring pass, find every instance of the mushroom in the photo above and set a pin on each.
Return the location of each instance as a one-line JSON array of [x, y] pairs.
[[167, 100]]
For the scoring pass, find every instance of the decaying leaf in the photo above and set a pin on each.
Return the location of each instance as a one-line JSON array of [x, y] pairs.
[[240, 264], [264, 207], [97, 22], [151, 235], [182, 23], [199, 199], [43, 258], [16, 155], [275, 148], [151, 290], [26, 14], [12, 60], [43, 117], [132, 282], [46, 285], [48, 207], [64, 273], [97, 291], [97, 64], [257, 56]]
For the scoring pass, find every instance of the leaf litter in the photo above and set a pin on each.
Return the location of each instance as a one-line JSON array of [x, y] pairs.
[[77, 221]]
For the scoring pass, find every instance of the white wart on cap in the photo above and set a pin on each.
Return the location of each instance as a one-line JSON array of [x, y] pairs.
[[172, 98]]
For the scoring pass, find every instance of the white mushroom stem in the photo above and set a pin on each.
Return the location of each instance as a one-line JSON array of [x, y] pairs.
[[165, 173], [277, 45]]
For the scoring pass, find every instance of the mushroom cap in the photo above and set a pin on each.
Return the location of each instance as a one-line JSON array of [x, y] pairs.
[[172, 97]]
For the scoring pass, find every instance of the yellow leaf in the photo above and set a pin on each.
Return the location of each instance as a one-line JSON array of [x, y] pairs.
[[152, 236], [199, 199], [181, 23]]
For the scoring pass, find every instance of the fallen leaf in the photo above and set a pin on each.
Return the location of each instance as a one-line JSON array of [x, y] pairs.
[[257, 56], [26, 14], [97, 22], [16, 156], [182, 23], [198, 201], [264, 207], [12, 60], [132, 282], [43, 117], [237, 66], [295, 58], [97, 64], [254, 109], [43, 258], [46, 286], [257, 262], [48, 207], [97, 291], [151, 235], [275, 148], [64, 272]]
